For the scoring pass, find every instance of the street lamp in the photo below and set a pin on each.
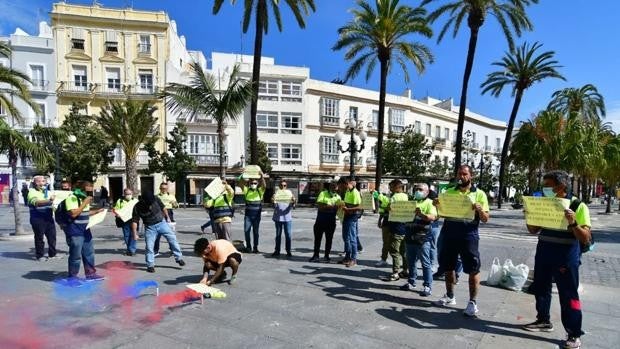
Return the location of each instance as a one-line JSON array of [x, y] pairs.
[[351, 125], [70, 139]]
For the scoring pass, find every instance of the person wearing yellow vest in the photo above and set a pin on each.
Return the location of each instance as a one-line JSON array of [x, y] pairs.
[[126, 200], [418, 241], [79, 237], [39, 201], [325, 222], [386, 235], [221, 211], [170, 203], [253, 196], [397, 230], [461, 238], [558, 256], [352, 206]]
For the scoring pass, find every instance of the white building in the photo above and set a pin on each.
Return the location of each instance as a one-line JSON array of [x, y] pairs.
[[35, 57]]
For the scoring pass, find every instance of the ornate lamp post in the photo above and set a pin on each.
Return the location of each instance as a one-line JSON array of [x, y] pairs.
[[351, 126]]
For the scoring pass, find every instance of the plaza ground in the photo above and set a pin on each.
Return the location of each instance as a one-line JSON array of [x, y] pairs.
[[291, 303]]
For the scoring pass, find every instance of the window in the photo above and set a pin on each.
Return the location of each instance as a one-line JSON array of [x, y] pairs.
[[446, 133], [202, 144], [2, 111], [145, 76], [330, 114], [37, 76], [291, 154], [453, 136], [113, 76], [291, 123], [329, 150], [42, 117], [437, 131], [145, 44], [267, 121], [111, 42], [397, 120], [418, 127], [445, 161], [268, 90], [291, 91], [77, 39], [375, 120], [487, 147], [428, 130], [498, 146], [372, 159], [473, 140], [353, 113], [272, 152], [80, 79]]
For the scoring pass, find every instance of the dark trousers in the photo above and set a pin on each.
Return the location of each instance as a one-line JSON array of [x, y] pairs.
[[81, 249], [251, 224], [550, 265], [327, 227], [47, 229], [171, 215]]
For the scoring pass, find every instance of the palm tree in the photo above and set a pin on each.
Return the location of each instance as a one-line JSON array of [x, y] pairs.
[[380, 35], [525, 151], [261, 18], [611, 173], [204, 96], [512, 18], [17, 86], [16, 145], [584, 101], [519, 69], [129, 124]]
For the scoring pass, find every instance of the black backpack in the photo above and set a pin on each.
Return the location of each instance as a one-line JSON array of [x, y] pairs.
[[589, 245], [62, 216]]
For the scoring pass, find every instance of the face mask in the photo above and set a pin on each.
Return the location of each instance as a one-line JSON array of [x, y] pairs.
[[548, 192], [128, 197], [419, 195], [253, 186], [462, 184]]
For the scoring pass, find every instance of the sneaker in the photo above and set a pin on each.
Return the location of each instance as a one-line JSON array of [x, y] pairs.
[[246, 250], [408, 287], [456, 281], [181, 262], [129, 254], [381, 264], [439, 276], [403, 274], [327, 260], [150, 269], [255, 251], [94, 277], [360, 251], [471, 309], [539, 326], [41, 259], [289, 255], [232, 280], [344, 261], [445, 300], [351, 263], [56, 257], [157, 254], [314, 259], [275, 254], [393, 277], [221, 278], [426, 292], [572, 343]]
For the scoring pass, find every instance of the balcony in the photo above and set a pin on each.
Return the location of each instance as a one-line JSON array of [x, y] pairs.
[[497, 149], [475, 146], [330, 121], [438, 141], [357, 161], [39, 85], [206, 160], [330, 158], [29, 123], [487, 148], [75, 88]]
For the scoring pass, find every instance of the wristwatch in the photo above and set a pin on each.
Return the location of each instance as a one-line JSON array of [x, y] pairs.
[[572, 225]]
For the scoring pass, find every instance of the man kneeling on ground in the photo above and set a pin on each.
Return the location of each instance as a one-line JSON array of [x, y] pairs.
[[217, 255]]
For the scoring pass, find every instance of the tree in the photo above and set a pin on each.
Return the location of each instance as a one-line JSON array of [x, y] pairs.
[[525, 153], [406, 155], [130, 124], [174, 163], [512, 18], [438, 170], [379, 34], [263, 156], [17, 146], [261, 19], [16, 84], [519, 69], [204, 96], [584, 101], [611, 172]]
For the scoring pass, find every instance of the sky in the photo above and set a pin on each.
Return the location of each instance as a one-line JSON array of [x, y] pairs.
[[583, 33]]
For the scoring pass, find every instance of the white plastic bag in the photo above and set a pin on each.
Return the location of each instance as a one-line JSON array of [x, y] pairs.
[[514, 277], [495, 274]]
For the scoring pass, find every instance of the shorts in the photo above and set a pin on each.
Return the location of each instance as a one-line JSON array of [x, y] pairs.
[[468, 250]]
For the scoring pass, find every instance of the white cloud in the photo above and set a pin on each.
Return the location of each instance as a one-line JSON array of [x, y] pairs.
[[613, 115], [23, 14]]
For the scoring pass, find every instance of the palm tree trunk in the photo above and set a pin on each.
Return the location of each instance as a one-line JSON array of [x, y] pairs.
[[19, 229], [381, 122], [584, 189], [131, 169], [258, 49], [504, 156], [469, 64], [220, 141], [608, 206]]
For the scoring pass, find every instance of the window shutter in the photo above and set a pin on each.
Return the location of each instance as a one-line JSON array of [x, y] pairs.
[[110, 36], [78, 33]]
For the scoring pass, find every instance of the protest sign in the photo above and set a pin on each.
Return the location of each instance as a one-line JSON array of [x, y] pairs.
[[96, 218], [455, 206], [402, 211], [546, 212]]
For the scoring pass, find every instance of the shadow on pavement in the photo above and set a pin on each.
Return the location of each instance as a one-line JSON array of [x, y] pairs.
[[186, 279], [44, 275], [19, 255]]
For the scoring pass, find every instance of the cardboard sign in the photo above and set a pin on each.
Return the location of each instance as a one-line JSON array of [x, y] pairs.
[[96, 219], [126, 212], [251, 172], [368, 201], [402, 211], [283, 196], [204, 289], [546, 212], [456, 206], [60, 195], [215, 188], [340, 213]]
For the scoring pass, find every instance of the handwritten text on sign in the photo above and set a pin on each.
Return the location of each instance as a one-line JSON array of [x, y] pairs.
[[455, 206], [402, 211], [368, 201], [546, 212]]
